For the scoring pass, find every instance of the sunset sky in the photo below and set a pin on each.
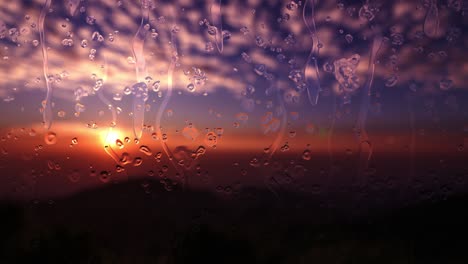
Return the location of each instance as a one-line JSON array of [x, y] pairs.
[[236, 78]]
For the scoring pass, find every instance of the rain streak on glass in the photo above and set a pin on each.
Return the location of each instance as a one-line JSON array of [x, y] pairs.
[[140, 96], [431, 22]]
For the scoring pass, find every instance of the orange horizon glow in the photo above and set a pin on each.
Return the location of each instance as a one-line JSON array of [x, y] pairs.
[[94, 140]]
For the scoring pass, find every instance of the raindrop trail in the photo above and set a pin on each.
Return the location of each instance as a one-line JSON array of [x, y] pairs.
[[311, 70], [72, 6], [330, 135], [47, 104], [277, 141], [412, 145], [431, 22], [267, 181], [274, 146], [140, 69], [365, 146], [284, 120], [216, 17], [163, 106], [108, 147]]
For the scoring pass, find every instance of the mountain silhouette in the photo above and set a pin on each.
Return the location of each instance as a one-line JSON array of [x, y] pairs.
[[141, 222]]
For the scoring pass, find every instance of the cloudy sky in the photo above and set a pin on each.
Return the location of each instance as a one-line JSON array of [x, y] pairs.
[[272, 80]]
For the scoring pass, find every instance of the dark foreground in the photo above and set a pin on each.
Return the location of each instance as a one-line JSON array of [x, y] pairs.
[[125, 223]]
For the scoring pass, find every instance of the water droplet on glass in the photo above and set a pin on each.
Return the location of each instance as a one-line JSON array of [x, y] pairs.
[[254, 162], [131, 60], [67, 42], [397, 39], [391, 81], [295, 76], [137, 161], [226, 34], [201, 150], [345, 72], [84, 43], [259, 41], [212, 30], [284, 148], [117, 97], [191, 87], [244, 30], [292, 134], [190, 132], [367, 12], [445, 84], [146, 150], [156, 85], [154, 34], [291, 6], [98, 85], [125, 158], [211, 139], [209, 47], [119, 143], [90, 20], [74, 177], [61, 113], [79, 108], [306, 155], [431, 22], [328, 67], [50, 138], [260, 69], [127, 90], [119, 168], [246, 57], [104, 176]]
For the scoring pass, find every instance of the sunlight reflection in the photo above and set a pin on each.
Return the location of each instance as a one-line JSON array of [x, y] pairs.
[[111, 137]]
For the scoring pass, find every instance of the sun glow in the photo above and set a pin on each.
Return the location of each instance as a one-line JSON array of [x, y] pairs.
[[110, 137]]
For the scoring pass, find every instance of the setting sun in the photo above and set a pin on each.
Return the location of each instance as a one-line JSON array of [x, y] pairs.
[[111, 137]]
